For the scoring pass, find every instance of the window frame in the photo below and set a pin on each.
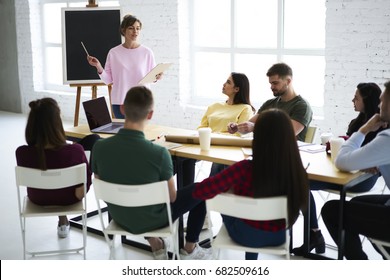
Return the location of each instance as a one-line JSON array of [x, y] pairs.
[[280, 51]]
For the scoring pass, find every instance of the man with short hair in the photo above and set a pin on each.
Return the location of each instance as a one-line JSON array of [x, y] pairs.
[[367, 215], [285, 98], [129, 158]]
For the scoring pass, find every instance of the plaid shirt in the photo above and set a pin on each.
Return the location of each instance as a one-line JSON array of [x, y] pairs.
[[238, 179]]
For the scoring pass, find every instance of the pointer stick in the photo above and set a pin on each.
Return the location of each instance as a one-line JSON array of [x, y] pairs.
[[85, 49]]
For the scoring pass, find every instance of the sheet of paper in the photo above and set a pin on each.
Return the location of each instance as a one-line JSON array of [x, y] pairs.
[[312, 148], [151, 76]]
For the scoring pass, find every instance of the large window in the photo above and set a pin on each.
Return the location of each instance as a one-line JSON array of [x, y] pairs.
[[48, 54], [249, 36]]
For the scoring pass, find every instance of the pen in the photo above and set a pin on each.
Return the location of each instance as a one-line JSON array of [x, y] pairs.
[[158, 137], [307, 166]]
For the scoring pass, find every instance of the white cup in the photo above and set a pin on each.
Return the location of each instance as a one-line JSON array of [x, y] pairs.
[[204, 138], [325, 137], [335, 145]]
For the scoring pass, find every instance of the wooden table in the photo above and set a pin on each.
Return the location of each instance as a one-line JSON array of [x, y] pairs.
[[320, 168]]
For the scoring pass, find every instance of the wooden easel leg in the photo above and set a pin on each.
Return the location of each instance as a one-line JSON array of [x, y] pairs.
[[77, 108], [94, 92], [109, 96]]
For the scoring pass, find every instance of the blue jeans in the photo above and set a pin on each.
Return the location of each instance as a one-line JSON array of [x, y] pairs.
[[246, 235], [317, 185], [117, 112]]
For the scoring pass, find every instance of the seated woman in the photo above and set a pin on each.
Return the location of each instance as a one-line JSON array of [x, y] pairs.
[[276, 169], [47, 149], [366, 102], [237, 108]]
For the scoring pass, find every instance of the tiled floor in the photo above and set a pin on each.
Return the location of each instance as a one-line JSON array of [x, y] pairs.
[[42, 231]]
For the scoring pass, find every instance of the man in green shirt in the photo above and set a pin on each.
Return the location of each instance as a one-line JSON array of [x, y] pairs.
[[129, 158], [285, 98]]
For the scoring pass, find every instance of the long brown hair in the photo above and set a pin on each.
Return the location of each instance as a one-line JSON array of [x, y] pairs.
[[277, 165], [241, 81], [44, 127]]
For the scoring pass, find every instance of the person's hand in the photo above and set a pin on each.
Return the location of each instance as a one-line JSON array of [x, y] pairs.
[[158, 76], [373, 124], [93, 61], [232, 128], [245, 127]]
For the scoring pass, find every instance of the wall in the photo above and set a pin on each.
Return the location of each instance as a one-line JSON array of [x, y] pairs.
[[357, 50], [9, 89]]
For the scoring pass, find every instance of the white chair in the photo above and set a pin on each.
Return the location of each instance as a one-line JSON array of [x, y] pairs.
[[258, 209], [51, 179], [380, 244], [134, 196]]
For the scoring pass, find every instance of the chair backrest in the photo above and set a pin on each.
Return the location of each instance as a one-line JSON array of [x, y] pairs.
[[51, 178], [310, 134], [132, 195], [258, 209]]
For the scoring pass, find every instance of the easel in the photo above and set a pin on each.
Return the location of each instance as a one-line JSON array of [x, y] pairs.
[[94, 95]]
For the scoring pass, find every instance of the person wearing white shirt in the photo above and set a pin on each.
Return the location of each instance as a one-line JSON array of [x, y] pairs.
[[367, 215]]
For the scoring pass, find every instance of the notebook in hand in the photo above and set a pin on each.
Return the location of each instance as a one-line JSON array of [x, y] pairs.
[[98, 117]]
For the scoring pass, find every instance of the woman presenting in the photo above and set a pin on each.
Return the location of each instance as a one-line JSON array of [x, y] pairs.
[[126, 64]]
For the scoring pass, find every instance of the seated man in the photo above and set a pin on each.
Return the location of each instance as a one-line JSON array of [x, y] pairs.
[[367, 215], [129, 158], [280, 77]]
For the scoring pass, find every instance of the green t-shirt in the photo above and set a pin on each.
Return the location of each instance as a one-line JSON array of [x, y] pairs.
[[129, 158], [297, 108]]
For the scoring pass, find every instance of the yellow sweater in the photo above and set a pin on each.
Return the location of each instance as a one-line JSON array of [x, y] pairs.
[[219, 115]]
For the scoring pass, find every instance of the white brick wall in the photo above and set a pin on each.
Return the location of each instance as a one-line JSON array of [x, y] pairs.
[[357, 50]]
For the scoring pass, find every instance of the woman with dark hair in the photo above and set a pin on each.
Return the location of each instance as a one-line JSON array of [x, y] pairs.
[[366, 102], [47, 149], [126, 64], [237, 108], [276, 169]]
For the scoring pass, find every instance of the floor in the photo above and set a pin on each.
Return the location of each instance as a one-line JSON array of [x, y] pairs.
[[42, 231]]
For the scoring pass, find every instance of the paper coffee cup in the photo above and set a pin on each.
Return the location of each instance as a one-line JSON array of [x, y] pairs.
[[325, 137], [335, 145], [204, 138]]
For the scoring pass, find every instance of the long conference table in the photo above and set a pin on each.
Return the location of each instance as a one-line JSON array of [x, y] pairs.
[[320, 167]]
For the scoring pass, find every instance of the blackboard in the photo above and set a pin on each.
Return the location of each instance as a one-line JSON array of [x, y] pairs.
[[98, 29]]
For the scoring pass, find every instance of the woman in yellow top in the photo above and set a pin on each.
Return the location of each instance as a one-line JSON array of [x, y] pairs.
[[237, 108]]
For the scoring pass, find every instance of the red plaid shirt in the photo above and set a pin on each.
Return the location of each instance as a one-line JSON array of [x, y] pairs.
[[238, 178]]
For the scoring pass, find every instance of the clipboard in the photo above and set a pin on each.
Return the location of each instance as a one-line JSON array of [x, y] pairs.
[[151, 76]]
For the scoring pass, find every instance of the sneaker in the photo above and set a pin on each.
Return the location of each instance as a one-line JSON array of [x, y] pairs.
[[63, 230], [198, 253], [162, 254]]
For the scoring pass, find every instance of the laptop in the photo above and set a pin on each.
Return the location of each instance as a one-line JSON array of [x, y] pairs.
[[99, 118]]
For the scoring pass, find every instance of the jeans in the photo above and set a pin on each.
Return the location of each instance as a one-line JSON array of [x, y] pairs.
[[186, 202], [367, 215], [246, 235], [317, 185], [117, 112]]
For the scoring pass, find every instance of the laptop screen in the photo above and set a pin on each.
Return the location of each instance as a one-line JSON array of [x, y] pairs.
[[97, 113]]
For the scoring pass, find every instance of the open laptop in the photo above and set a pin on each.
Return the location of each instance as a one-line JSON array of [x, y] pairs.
[[99, 118]]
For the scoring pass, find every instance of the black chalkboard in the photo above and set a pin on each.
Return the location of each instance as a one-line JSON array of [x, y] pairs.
[[98, 29]]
